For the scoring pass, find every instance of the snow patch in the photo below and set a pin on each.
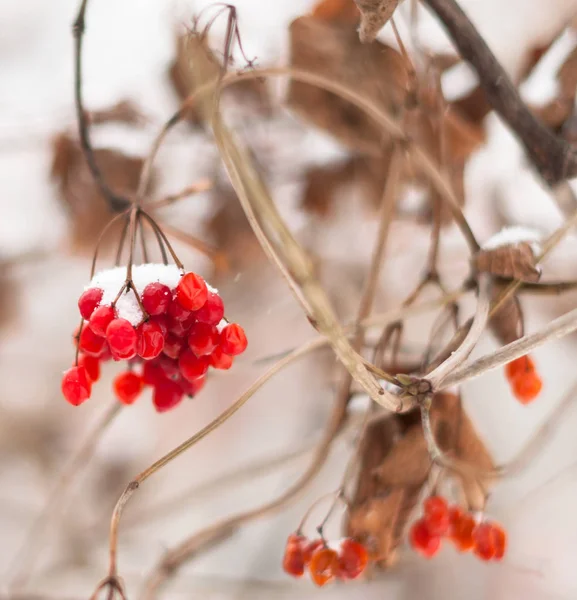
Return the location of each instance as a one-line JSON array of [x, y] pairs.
[[510, 236]]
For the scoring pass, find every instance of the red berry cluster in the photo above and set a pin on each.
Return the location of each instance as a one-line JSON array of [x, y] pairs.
[[183, 335], [343, 560], [487, 540], [524, 379]]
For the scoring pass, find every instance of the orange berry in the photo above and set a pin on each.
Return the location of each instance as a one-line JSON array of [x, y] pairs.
[[353, 559], [523, 364], [436, 515], [310, 548], [422, 540], [293, 559], [484, 546], [461, 529], [324, 566], [527, 386], [499, 541]]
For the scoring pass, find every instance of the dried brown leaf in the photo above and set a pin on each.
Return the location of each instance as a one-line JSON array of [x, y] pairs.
[[374, 16], [125, 112], [337, 11], [376, 71], [515, 261]]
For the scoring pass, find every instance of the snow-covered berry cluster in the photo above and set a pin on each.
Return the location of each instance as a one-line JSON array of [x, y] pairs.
[[524, 379], [486, 539], [169, 326], [343, 559]]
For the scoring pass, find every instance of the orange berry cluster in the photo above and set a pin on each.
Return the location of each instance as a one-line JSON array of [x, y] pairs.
[[487, 540], [343, 560], [524, 379]]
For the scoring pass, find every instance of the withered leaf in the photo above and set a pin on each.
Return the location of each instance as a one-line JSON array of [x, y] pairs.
[[394, 467], [374, 16], [507, 324], [513, 261], [333, 50]]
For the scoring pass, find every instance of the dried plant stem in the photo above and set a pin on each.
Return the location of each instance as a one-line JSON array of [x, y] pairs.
[[22, 567], [204, 185]]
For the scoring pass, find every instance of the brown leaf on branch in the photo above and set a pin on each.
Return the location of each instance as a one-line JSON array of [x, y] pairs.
[[374, 16], [509, 262], [395, 466]]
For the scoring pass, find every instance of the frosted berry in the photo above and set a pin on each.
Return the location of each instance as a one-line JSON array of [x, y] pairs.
[[76, 385], [353, 559], [436, 515], [152, 373], [155, 298], [220, 360], [191, 292], [88, 301], [167, 394], [122, 339], [422, 540], [461, 529], [90, 343], [233, 339], [92, 366], [526, 386], [127, 386], [323, 566], [192, 366], [293, 560], [213, 310], [101, 319], [173, 345], [150, 340], [191, 388], [203, 339]]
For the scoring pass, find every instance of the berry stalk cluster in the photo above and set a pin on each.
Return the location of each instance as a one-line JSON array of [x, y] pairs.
[[182, 333]]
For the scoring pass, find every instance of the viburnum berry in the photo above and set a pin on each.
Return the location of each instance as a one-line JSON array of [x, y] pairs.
[[176, 311], [323, 566], [220, 360], [162, 322], [155, 298], [127, 386], [152, 373], [293, 560], [499, 542], [169, 366], [423, 540], [461, 529], [88, 301], [76, 385], [436, 515], [180, 327], [310, 548], [526, 386], [191, 388], [203, 339], [213, 310], [192, 366], [122, 339], [90, 343], [523, 364], [191, 291], [352, 559], [92, 366], [101, 319], [173, 345], [150, 340], [167, 394], [233, 339], [483, 545]]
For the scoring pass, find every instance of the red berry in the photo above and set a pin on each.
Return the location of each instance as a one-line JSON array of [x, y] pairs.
[[324, 566], [213, 310], [293, 560], [152, 373], [461, 529], [122, 339], [180, 327], [203, 339], [155, 298], [353, 559], [101, 319], [192, 366], [526, 386], [92, 366], [176, 312], [191, 388], [233, 339], [499, 542], [191, 291], [436, 515], [167, 394], [310, 548], [90, 343], [162, 322], [220, 360], [127, 386], [523, 364], [173, 345], [150, 340], [169, 366], [76, 385], [484, 546], [423, 540], [88, 301]]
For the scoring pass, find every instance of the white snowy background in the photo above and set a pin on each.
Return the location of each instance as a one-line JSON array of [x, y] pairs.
[[128, 46]]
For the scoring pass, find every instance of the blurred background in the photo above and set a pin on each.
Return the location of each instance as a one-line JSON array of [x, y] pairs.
[[49, 222]]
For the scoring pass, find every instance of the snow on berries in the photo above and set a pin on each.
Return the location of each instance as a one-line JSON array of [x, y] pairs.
[[169, 327], [523, 378], [487, 540], [342, 560]]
